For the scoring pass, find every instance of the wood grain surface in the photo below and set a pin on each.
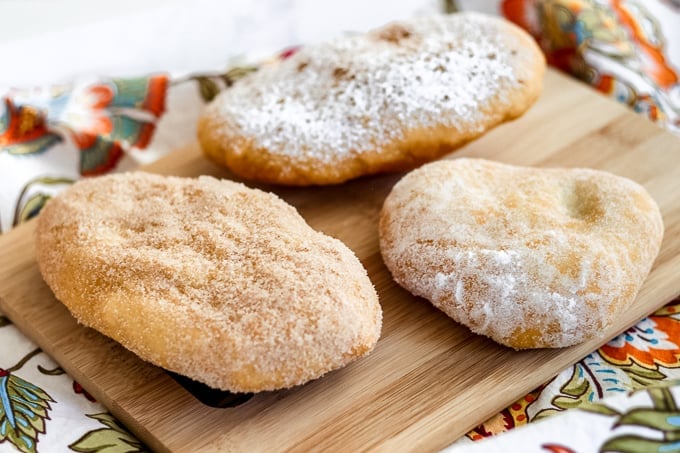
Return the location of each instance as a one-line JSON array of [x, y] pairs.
[[429, 380]]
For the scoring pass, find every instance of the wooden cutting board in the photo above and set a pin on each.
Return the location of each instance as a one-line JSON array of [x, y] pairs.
[[429, 380]]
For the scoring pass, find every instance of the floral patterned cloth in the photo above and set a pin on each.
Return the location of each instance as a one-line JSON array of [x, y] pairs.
[[50, 137], [644, 421], [629, 50]]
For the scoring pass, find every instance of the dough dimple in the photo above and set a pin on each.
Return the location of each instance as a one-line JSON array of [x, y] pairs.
[[213, 280], [383, 101], [528, 257]]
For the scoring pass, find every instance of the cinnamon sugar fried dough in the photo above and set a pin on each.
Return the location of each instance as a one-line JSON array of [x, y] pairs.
[[388, 100], [529, 257], [210, 279]]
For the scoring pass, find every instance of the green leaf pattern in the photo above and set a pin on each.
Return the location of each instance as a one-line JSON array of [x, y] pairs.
[[210, 86], [635, 444], [113, 438], [207, 87], [35, 194], [591, 380], [23, 410], [666, 421], [642, 377], [35, 146]]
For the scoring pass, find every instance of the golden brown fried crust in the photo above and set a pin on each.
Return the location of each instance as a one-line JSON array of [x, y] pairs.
[[210, 279], [529, 257], [385, 101]]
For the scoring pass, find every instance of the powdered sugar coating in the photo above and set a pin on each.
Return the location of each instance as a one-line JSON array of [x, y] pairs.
[[298, 112], [354, 96], [529, 257], [213, 280]]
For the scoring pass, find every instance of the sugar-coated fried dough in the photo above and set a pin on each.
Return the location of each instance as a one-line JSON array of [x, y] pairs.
[[210, 279], [529, 257], [387, 100]]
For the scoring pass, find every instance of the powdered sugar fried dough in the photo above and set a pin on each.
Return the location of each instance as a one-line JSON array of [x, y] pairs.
[[385, 100], [528, 257], [207, 278]]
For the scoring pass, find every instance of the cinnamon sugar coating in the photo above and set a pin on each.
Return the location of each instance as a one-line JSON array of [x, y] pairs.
[[529, 257], [210, 279], [387, 100]]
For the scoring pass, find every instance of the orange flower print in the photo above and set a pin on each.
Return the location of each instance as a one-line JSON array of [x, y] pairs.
[[652, 58], [24, 129], [617, 46], [106, 118], [87, 117], [647, 344]]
